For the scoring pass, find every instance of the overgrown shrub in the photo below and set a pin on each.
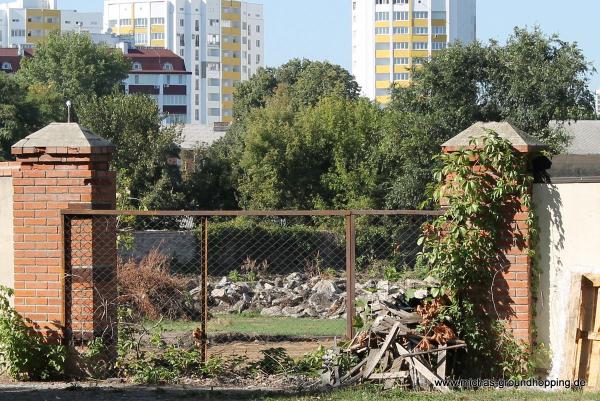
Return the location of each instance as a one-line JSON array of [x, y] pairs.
[[152, 290], [24, 353]]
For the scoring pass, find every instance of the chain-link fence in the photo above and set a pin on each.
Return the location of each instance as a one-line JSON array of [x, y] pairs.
[[230, 282]]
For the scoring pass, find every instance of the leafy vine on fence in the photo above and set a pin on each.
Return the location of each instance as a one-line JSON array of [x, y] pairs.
[[483, 186]]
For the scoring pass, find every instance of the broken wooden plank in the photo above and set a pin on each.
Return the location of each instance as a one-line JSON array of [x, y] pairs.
[[431, 377], [441, 364], [389, 375], [379, 354]]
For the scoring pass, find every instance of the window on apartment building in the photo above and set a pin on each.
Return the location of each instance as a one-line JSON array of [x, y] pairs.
[[258, 59], [400, 30], [420, 30], [257, 28], [17, 32], [249, 30], [214, 82], [181, 22], [382, 16], [136, 79], [168, 79], [178, 100], [197, 100], [214, 39], [400, 1], [213, 53], [214, 97], [382, 30], [137, 66], [438, 45], [182, 52], [257, 43], [439, 30], [157, 36], [250, 45], [400, 15], [197, 84], [382, 61], [249, 58], [382, 1], [382, 46], [157, 21], [7, 66], [213, 22], [227, 97], [214, 112], [125, 21], [111, 22], [168, 67], [420, 14], [400, 45], [212, 66], [227, 113], [197, 25], [197, 70], [141, 22], [401, 61], [196, 54], [438, 15], [141, 38], [401, 76], [420, 45], [181, 39], [420, 60], [197, 114], [382, 92]]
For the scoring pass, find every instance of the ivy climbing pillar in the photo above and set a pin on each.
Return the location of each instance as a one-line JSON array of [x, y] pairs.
[[511, 297]]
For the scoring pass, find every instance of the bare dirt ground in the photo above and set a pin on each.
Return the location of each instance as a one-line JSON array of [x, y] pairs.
[[252, 351]]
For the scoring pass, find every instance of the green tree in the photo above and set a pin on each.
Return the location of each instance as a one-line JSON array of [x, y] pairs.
[[529, 81], [317, 157], [134, 124], [75, 67], [23, 110]]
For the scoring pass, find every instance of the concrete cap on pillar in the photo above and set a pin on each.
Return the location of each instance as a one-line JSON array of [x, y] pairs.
[[63, 138], [520, 140]]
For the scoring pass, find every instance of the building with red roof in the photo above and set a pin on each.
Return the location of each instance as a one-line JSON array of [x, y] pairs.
[[161, 74]]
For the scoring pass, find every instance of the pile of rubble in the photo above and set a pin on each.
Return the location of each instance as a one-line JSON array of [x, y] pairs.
[[392, 351], [299, 296]]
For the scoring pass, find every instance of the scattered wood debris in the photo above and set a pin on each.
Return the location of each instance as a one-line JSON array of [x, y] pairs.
[[391, 351]]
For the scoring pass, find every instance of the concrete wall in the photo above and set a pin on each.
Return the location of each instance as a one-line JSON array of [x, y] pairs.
[[7, 269], [569, 222]]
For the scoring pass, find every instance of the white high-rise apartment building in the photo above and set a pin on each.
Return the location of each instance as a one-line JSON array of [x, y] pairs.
[[390, 36], [25, 23], [221, 41]]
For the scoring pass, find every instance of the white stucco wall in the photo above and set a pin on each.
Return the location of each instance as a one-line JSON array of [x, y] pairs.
[[569, 222], [6, 233]]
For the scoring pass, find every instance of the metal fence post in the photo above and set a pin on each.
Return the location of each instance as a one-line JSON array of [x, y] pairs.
[[204, 276], [350, 270]]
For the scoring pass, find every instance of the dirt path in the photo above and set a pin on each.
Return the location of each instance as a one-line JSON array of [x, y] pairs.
[[120, 392], [253, 350]]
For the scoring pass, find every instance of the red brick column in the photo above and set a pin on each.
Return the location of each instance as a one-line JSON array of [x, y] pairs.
[[512, 287], [61, 166]]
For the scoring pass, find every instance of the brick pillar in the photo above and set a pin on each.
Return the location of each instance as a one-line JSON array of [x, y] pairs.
[[61, 166], [513, 300]]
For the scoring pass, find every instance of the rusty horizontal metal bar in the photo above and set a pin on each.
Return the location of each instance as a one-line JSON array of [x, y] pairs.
[[250, 213]]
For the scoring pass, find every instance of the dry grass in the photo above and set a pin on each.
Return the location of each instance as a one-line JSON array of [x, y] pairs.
[[149, 287]]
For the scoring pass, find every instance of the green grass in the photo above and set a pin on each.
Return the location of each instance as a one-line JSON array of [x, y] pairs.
[[263, 325], [374, 394]]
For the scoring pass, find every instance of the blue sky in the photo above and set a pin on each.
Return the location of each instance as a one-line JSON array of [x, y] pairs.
[[320, 29]]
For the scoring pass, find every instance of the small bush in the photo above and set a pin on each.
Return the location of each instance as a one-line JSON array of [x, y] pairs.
[[151, 290], [25, 354]]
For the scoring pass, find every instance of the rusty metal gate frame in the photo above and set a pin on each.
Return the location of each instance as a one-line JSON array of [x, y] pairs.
[[350, 237]]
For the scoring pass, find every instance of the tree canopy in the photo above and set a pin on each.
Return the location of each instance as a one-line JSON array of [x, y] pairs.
[[75, 66]]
